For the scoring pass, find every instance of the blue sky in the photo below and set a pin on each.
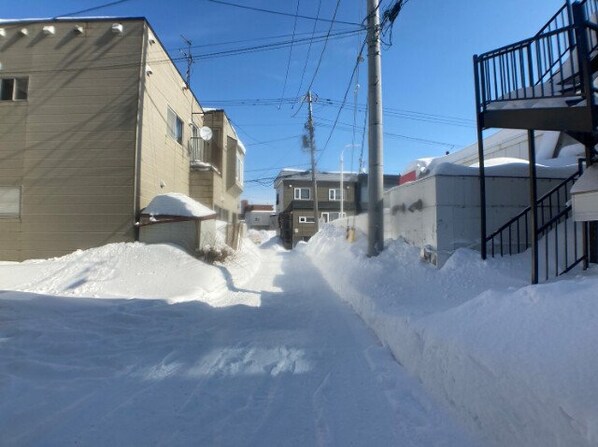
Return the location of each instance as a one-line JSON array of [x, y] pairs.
[[427, 75]]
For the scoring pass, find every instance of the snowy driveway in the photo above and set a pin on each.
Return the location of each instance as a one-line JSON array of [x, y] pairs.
[[291, 366]]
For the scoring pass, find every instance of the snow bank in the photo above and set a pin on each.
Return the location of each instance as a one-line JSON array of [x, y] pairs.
[[132, 270], [516, 363], [260, 236], [177, 204]]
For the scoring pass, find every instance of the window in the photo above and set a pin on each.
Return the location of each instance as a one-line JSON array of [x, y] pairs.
[[334, 194], [175, 126], [239, 169], [14, 89], [10, 201], [306, 219], [302, 194], [329, 216]]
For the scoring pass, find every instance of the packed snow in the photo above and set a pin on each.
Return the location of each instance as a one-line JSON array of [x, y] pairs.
[[129, 344], [273, 359], [516, 363]]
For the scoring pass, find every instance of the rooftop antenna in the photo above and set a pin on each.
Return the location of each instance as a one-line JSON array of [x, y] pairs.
[[189, 56]]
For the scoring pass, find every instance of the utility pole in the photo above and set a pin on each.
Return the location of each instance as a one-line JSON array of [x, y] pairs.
[[376, 170], [312, 149]]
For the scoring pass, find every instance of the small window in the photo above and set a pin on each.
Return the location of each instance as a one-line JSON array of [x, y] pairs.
[[175, 126], [14, 89], [306, 219], [329, 216], [334, 194], [21, 89], [302, 194], [10, 201]]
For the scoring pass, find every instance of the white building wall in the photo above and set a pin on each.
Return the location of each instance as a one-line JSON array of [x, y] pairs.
[[449, 215], [259, 219]]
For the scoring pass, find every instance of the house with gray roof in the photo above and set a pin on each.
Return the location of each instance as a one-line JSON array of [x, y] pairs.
[[295, 202]]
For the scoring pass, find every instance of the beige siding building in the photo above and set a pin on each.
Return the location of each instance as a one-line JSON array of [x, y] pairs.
[[217, 170], [95, 120]]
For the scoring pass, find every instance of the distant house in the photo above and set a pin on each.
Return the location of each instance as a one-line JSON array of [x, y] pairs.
[[95, 121], [259, 217], [295, 202]]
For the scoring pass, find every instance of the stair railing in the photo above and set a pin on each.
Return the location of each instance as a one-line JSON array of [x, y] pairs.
[[544, 66], [515, 235], [554, 212], [531, 69]]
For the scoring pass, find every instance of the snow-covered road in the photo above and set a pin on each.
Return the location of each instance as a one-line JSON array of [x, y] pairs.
[[290, 365]]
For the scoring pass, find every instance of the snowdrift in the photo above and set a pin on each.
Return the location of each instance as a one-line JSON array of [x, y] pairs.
[[516, 363], [131, 270]]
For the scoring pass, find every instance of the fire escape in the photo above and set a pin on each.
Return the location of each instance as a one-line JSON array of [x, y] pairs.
[[547, 82]]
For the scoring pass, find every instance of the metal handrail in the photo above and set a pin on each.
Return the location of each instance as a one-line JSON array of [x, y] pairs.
[[559, 14], [542, 66], [523, 43], [523, 215], [559, 198]]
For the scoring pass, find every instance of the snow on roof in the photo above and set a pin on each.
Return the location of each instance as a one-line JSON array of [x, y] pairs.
[[504, 167], [241, 146], [177, 204], [292, 174], [66, 19]]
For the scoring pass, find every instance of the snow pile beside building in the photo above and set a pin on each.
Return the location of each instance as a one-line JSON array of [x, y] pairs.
[[516, 362], [132, 270], [177, 204]]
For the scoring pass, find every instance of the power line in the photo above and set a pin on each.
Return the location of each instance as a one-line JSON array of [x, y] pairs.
[[348, 127], [278, 167], [338, 2], [340, 109], [286, 76], [255, 39], [274, 141], [269, 11], [313, 32], [327, 102], [413, 115], [95, 8], [232, 52]]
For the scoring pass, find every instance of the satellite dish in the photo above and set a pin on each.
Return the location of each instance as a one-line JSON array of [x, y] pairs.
[[205, 133]]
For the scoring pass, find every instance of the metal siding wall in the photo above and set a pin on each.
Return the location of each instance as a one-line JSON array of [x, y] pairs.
[[76, 134], [164, 162]]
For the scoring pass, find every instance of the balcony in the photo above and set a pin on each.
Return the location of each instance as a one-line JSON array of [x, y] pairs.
[[204, 154]]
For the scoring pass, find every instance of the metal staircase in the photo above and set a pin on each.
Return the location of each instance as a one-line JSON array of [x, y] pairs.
[[548, 82], [560, 239]]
